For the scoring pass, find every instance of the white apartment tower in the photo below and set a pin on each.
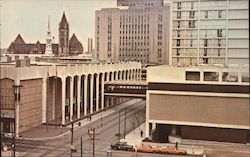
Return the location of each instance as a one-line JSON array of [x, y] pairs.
[[209, 32], [137, 30]]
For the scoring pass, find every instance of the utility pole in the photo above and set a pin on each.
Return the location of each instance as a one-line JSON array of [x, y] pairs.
[[72, 135], [81, 146], [125, 118], [93, 142], [119, 127]]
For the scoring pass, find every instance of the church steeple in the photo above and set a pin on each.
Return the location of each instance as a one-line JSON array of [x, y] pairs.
[[48, 50], [64, 23], [63, 36]]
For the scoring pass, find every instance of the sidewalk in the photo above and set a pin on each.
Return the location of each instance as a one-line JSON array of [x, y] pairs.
[[134, 138], [45, 132]]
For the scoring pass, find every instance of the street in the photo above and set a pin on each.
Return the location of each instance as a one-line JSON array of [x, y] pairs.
[[105, 135]]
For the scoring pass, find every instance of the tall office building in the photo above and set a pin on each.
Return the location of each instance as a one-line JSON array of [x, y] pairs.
[[137, 30], [209, 32]]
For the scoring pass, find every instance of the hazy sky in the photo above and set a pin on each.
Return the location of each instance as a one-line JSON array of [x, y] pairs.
[[30, 18]]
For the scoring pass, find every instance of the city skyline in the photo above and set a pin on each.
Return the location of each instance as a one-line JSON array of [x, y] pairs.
[[80, 14]]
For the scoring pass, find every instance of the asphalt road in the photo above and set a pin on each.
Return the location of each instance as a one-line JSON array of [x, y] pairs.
[[136, 154], [105, 135]]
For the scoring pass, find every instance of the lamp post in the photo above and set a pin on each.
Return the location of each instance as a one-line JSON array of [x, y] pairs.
[[17, 100]]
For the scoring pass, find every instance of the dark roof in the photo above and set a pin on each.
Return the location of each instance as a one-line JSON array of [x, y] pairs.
[[64, 23], [74, 42], [19, 40], [30, 48]]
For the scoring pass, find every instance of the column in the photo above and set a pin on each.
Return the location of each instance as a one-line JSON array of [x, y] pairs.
[[135, 73], [108, 101], [85, 95], [71, 87], [63, 99], [17, 104], [153, 126], [220, 76], [97, 92], [140, 75], [240, 76], [44, 98], [102, 92], [107, 77], [54, 99], [201, 76], [78, 96], [111, 76], [117, 75], [91, 93]]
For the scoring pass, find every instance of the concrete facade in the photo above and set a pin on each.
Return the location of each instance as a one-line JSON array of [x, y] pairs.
[[137, 31], [209, 32], [205, 100], [59, 93]]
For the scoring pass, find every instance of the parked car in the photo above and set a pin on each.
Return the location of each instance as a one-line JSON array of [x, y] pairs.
[[122, 146], [172, 150], [147, 149]]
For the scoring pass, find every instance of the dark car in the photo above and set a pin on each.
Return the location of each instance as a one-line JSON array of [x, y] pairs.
[[122, 146]]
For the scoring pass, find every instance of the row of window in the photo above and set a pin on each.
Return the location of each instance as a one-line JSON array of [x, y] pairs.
[[133, 49], [214, 76], [134, 43], [132, 37], [204, 14]]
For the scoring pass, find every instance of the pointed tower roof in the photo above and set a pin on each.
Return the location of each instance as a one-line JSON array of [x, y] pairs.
[[73, 40], [19, 40], [64, 23]]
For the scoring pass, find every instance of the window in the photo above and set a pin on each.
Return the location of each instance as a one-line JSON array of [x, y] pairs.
[[206, 14], [219, 32], [178, 15], [191, 14], [178, 43], [178, 24], [192, 76], [192, 5], [245, 77], [219, 14], [205, 42], [211, 76], [191, 24], [219, 42], [191, 43], [178, 33], [178, 52], [178, 5], [205, 52]]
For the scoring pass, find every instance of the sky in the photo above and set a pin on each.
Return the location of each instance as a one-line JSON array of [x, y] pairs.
[[30, 18]]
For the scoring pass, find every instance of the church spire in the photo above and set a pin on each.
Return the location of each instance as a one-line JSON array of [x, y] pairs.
[[49, 23], [48, 50], [64, 23]]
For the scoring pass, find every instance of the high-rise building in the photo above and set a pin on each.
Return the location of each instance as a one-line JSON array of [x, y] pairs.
[[63, 36], [209, 32], [137, 30]]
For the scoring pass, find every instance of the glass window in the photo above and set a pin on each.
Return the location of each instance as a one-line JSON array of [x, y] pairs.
[[192, 76], [211, 76]]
